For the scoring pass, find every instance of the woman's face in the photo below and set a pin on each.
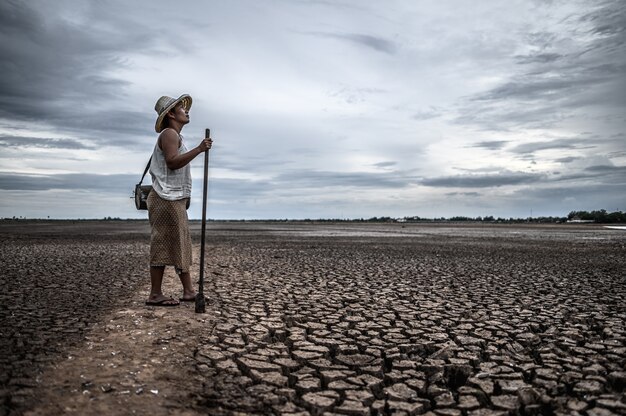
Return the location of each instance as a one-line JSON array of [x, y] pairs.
[[180, 114]]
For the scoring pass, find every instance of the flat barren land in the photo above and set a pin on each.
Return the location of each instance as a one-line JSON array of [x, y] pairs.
[[350, 319]]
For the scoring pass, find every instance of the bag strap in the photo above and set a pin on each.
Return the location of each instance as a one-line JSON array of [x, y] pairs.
[[146, 170]]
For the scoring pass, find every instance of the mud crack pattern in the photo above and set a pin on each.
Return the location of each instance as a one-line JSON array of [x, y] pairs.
[[439, 326], [55, 286], [335, 319]]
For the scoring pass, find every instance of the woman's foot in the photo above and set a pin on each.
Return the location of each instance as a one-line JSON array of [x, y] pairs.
[[188, 296], [160, 300]]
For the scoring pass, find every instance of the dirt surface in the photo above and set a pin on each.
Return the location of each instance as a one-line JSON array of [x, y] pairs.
[[315, 319]]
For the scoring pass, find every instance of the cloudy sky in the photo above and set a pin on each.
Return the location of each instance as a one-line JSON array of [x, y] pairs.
[[318, 109]]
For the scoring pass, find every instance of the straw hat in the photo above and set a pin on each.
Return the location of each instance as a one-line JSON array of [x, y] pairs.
[[165, 104]]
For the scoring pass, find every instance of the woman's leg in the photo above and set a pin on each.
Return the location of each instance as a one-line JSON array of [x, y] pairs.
[[156, 293], [188, 291]]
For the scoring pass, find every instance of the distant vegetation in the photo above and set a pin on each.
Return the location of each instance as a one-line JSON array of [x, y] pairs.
[[600, 217]]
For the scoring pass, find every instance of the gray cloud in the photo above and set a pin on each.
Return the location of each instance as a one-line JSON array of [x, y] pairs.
[[373, 42], [70, 181], [484, 181], [573, 197], [558, 144], [427, 114], [57, 71], [384, 164], [596, 174], [223, 187], [609, 20], [499, 116], [41, 142], [490, 144], [568, 159], [123, 184], [581, 64], [606, 169], [538, 58], [468, 194], [108, 126], [325, 179], [532, 88]]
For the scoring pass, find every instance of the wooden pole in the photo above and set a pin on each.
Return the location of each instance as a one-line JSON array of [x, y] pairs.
[[200, 302]]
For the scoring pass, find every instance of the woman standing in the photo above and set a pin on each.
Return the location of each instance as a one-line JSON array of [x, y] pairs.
[[170, 242]]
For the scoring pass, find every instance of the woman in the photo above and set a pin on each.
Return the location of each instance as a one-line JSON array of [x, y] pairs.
[[170, 242]]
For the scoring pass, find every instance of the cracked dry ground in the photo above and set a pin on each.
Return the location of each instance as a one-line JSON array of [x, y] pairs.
[[409, 326], [523, 321]]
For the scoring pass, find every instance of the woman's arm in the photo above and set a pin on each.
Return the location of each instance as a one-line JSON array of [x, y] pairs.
[[170, 142]]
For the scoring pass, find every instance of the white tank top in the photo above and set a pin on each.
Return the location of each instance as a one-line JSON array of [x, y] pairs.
[[170, 184]]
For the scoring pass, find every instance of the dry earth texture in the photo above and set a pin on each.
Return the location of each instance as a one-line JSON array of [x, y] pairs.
[[316, 319]]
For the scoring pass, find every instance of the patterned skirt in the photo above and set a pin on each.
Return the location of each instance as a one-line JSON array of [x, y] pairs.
[[170, 241]]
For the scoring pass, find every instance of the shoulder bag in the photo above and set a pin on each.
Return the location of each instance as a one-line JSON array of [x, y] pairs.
[[142, 191]]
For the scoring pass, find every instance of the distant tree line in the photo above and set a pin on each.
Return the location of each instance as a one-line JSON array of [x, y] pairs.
[[600, 216], [488, 218]]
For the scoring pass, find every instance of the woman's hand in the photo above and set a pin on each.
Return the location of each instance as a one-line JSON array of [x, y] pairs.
[[205, 145]]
